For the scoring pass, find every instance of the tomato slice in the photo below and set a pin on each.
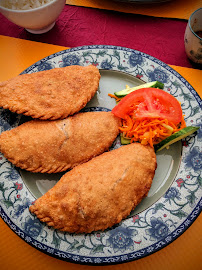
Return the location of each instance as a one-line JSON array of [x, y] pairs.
[[149, 103]]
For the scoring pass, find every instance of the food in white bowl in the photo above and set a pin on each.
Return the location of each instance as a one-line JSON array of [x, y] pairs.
[[37, 16], [24, 4]]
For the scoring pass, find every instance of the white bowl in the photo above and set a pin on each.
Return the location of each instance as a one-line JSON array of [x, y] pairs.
[[38, 20]]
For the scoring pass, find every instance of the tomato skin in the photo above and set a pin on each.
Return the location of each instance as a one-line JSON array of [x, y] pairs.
[[149, 103]]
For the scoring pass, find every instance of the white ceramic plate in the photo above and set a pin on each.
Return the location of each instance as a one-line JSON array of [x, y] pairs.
[[174, 200]]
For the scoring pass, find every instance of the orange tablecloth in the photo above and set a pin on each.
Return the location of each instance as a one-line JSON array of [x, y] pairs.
[[180, 9], [183, 254]]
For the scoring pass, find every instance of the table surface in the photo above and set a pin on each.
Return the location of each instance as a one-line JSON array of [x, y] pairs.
[[75, 27]]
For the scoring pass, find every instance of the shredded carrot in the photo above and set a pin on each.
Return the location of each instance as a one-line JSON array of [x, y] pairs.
[[149, 131], [150, 137], [128, 125], [113, 96]]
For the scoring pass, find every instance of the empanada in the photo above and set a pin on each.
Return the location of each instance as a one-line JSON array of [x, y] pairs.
[[51, 94], [55, 146], [100, 193]]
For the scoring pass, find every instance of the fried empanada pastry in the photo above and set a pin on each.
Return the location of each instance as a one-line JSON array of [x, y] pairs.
[[55, 146], [100, 193], [51, 94]]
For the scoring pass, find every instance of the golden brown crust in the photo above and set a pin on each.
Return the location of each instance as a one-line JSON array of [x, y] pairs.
[[100, 193], [51, 94], [55, 146]]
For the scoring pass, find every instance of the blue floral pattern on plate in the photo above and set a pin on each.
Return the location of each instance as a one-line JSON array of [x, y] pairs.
[[120, 238], [136, 236], [69, 60], [158, 229], [194, 159], [157, 74]]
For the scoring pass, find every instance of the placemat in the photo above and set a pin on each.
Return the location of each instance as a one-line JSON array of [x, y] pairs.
[[180, 9], [183, 254]]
